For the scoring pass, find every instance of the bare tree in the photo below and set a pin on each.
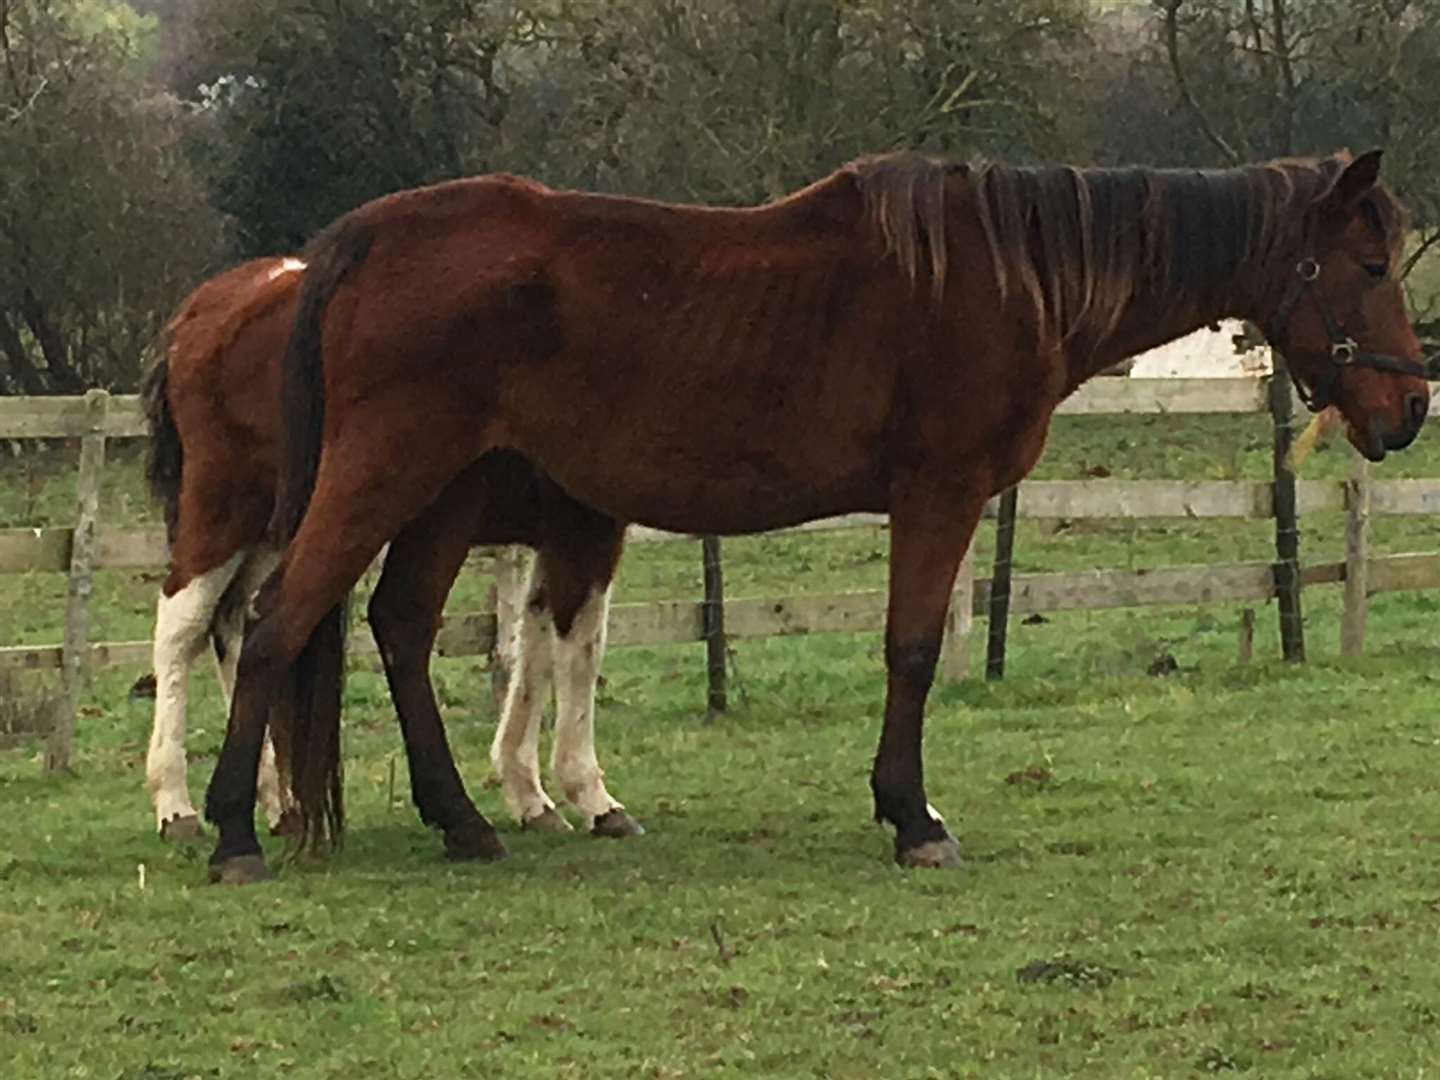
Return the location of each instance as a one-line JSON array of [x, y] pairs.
[[102, 223]]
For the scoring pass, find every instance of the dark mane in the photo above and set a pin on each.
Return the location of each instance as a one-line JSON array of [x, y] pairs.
[[1082, 243], [905, 201]]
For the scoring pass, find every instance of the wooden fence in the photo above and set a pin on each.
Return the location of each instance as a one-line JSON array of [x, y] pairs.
[[90, 545]]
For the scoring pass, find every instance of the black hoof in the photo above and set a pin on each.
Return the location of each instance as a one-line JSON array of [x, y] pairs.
[[290, 823], [474, 841], [941, 854], [616, 824], [240, 870], [182, 830]]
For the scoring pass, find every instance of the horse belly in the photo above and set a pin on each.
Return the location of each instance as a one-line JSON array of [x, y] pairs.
[[695, 489]]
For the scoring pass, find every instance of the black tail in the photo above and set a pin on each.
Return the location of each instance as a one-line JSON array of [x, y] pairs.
[[165, 456], [305, 710]]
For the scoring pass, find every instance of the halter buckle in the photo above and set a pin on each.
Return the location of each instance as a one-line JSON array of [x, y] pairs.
[[1308, 269], [1343, 352]]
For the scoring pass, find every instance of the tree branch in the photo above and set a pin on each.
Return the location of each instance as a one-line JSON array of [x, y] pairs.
[[1279, 29], [1413, 259], [17, 112], [25, 372], [52, 346], [1172, 49]]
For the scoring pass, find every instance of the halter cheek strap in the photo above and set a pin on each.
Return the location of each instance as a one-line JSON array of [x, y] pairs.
[[1344, 352]]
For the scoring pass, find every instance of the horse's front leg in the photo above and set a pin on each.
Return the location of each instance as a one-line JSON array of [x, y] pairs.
[[929, 532]]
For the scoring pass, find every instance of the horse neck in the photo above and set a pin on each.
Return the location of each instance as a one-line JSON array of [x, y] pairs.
[[1145, 324], [1209, 247]]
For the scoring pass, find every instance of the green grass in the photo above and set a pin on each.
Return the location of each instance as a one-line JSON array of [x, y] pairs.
[[1226, 870]]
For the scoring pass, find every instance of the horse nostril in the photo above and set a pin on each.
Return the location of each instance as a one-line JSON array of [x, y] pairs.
[[1416, 406]]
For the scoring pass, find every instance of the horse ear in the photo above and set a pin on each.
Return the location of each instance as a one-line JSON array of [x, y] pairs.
[[1354, 182]]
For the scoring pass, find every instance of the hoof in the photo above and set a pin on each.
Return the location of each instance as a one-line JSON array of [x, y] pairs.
[[290, 823], [182, 830], [475, 841], [240, 870], [617, 824], [548, 820], [942, 854]]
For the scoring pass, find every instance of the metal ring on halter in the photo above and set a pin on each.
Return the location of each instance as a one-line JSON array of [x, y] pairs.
[[1342, 352], [1308, 269]]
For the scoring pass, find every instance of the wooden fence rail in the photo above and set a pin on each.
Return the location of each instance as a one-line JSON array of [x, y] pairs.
[[91, 546], [683, 621], [50, 548]]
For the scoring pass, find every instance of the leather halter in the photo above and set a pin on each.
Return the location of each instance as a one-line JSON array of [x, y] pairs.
[[1344, 352]]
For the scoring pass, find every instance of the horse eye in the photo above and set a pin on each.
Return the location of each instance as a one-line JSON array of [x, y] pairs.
[[1378, 270]]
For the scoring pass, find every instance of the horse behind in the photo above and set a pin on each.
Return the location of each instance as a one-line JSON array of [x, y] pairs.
[[895, 337], [212, 403]]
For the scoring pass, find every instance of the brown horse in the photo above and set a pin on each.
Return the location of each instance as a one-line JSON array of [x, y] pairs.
[[213, 406], [892, 338]]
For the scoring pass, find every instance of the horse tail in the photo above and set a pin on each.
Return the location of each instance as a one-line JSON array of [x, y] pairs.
[[305, 710], [165, 454]]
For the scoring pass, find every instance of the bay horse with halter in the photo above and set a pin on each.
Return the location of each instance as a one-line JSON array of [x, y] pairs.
[[213, 407], [894, 337]]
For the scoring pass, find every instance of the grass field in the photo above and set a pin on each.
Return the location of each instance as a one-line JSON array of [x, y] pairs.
[[1230, 869]]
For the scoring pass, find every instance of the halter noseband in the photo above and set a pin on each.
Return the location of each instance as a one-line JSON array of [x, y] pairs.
[[1344, 352]]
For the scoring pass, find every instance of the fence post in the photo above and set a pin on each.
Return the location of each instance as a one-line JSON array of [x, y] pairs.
[[76, 650], [509, 584], [712, 616], [1287, 521], [1357, 556], [1000, 584], [959, 621]]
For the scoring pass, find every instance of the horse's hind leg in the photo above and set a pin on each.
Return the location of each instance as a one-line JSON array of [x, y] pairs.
[[561, 635], [227, 637], [360, 501], [515, 751], [573, 762], [405, 610], [580, 550], [228, 629], [184, 617]]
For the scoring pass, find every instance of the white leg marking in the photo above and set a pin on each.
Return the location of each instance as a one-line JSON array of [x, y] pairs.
[[511, 589], [268, 791], [577, 665], [515, 753], [182, 631]]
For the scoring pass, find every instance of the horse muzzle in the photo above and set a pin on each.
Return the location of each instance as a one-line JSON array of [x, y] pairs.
[[1379, 441]]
